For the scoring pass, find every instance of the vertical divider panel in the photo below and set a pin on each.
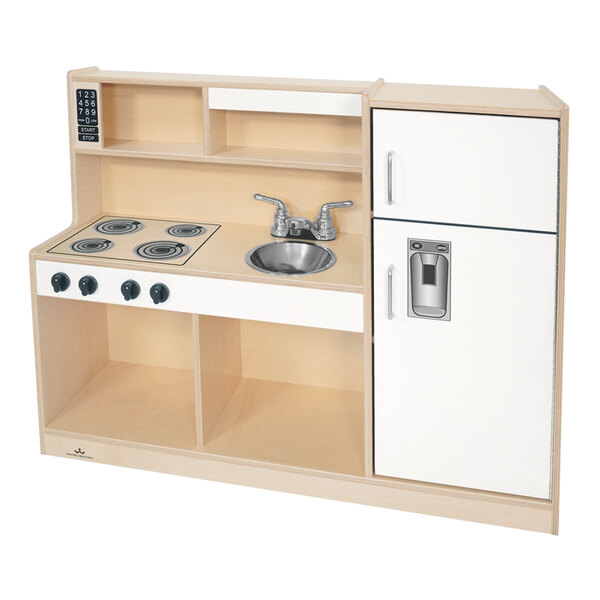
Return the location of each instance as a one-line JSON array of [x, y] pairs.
[[367, 275], [205, 122], [214, 127], [217, 369]]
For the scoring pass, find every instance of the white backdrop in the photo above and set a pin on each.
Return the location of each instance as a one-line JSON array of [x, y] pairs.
[[75, 530]]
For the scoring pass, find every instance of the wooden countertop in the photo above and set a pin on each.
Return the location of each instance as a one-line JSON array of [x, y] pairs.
[[222, 256]]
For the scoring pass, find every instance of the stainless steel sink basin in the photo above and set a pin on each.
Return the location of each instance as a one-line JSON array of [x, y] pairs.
[[290, 258]]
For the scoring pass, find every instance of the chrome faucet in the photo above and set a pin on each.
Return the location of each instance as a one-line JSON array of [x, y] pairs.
[[286, 226]]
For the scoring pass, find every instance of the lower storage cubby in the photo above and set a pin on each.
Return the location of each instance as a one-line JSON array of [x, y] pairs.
[[282, 394], [262, 392], [136, 403], [116, 372]]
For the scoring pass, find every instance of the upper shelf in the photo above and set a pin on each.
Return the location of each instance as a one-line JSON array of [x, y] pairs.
[[237, 155], [272, 128], [267, 83]]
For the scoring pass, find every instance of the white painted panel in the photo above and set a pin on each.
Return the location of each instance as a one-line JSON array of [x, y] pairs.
[[468, 169], [218, 297], [468, 402], [313, 103]]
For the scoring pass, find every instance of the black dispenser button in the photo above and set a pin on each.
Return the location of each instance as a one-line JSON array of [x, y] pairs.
[[130, 290], [88, 285], [60, 282], [159, 293], [416, 245]]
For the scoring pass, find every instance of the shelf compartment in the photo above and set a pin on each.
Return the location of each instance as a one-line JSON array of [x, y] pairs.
[[146, 113], [134, 403], [296, 425], [313, 141], [266, 421], [213, 386], [120, 372], [282, 394]]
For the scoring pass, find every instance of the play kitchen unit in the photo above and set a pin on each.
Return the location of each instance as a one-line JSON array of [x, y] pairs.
[[345, 289]]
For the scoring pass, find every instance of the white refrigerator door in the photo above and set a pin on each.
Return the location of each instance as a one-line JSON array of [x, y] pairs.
[[467, 402], [488, 170]]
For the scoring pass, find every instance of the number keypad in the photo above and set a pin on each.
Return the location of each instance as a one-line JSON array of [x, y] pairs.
[[86, 107]]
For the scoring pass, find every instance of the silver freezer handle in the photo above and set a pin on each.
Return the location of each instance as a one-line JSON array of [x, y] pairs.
[[390, 292], [390, 197]]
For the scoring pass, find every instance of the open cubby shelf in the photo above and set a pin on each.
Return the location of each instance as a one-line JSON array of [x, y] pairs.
[[267, 421], [134, 403], [211, 386], [173, 123], [152, 113]]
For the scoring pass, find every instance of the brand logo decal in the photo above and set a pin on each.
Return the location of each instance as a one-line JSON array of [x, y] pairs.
[[79, 453]]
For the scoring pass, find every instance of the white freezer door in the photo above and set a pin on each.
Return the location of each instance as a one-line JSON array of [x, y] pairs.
[[488, 170], [467, 402]]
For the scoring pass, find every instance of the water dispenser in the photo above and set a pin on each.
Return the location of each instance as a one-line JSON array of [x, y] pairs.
[[429, 279]]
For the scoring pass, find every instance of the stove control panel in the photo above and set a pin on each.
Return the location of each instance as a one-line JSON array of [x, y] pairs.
[[198, 294], [87, 118]]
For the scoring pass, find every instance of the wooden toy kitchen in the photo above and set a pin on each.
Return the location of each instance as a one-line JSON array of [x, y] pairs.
[[344, 289]]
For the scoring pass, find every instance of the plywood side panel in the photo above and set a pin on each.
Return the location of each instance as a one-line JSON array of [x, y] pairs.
[[223, 193], [73, 346], [87, 187], [150, 337], [293, 131], [218, 366], [153, 113], [560, 311], [302, 355]]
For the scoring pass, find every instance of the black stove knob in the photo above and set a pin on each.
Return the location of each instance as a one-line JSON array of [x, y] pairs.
[[88, 285], [130, 290], [159, 293], [60, 282]]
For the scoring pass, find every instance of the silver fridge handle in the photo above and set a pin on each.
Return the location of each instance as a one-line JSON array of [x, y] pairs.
[[390, 198], [390, 294]]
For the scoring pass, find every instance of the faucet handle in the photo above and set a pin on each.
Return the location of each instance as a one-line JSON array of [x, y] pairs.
[[329, 205], [280, 225], [279, 203], [324, 220]]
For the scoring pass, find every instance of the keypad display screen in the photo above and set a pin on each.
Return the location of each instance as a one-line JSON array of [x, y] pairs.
[[86, 102]]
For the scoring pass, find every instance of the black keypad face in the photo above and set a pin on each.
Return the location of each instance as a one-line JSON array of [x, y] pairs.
[[87, 107]]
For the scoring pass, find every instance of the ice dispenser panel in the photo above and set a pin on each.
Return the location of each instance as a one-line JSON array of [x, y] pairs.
[[429, 279]]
